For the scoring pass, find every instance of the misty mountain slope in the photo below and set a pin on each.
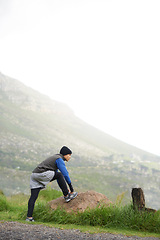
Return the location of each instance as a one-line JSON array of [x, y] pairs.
[[32, 111], [33, 127]]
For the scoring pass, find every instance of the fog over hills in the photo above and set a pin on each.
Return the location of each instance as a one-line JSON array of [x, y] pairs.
[[33, 127]]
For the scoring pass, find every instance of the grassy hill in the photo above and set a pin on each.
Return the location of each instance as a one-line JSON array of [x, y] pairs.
[[33, 127]]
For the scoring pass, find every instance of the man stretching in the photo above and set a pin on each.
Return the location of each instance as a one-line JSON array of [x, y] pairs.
[[47, 171]]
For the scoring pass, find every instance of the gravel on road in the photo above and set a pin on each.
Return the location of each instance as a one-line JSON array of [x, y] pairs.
[[20, 231]]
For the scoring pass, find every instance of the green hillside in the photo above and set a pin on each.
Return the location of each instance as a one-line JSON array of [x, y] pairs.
[[33, 127]]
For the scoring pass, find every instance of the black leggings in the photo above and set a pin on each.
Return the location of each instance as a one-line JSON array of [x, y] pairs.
[[34, 192]]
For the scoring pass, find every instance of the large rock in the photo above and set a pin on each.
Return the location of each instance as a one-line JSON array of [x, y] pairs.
[[84, 200]]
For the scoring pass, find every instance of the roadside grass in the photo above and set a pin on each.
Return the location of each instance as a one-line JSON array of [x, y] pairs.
[[115, 219]]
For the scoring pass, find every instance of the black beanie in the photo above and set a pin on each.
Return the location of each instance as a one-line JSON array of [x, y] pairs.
[[65, 150]]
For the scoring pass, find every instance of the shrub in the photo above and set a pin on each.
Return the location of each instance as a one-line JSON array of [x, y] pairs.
[[3, 203], [1, 192]]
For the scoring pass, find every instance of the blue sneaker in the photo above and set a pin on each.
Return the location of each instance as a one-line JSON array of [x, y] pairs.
[[73, 195], [70, 196]]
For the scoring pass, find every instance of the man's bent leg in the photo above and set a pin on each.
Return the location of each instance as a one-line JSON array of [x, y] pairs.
[[61, 182]]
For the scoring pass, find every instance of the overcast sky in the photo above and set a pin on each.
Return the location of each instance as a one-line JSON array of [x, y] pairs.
[[101, 57]]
